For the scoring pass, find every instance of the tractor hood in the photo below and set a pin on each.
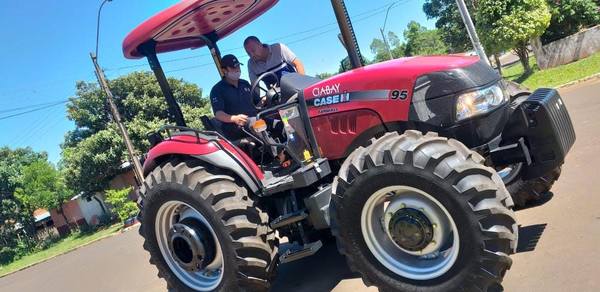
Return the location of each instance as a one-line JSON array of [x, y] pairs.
[[459, 71], [179, 26]]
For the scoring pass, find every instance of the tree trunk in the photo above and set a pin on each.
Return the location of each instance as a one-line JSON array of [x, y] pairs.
[[523, 53], [498, 64]]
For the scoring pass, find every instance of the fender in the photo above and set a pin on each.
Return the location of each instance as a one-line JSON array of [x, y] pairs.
[[219, 153]]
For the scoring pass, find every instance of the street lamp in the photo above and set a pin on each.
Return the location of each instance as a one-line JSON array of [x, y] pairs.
[[385, 42], [98, 25]]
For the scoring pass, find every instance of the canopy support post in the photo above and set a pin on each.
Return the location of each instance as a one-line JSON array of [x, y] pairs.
[[348, 36], [211, 42], [148, 49]]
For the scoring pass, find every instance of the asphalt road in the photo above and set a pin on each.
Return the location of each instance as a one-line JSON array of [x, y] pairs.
[[558, 241]]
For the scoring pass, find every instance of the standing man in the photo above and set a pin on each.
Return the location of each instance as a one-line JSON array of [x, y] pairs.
[[276, 57], [231, 100]]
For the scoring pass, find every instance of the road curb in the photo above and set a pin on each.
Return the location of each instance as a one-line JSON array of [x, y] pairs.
[[588, 78], [72, 250]]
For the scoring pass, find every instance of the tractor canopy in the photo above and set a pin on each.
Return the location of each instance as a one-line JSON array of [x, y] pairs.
[[184, 25]]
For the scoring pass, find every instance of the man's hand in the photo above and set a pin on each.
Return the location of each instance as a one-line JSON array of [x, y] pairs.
[[239, 120], [263, 100]]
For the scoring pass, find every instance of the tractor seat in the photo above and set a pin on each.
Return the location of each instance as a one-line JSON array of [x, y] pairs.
[[212, 124], [293, 83]]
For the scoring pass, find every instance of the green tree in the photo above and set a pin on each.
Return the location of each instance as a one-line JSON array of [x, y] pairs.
[[570, 16], [422, 41], [121, 203], [94, 150], [11, 166], [43, 187], [345, 65], [506, 24], [379, 49], [12, 217], [12, 212], [449, 23], [324, 75]]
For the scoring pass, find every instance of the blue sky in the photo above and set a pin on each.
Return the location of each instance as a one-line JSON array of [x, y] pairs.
[[46, 44]]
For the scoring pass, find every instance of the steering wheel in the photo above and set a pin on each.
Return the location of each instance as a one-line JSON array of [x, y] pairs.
[[272, 94]]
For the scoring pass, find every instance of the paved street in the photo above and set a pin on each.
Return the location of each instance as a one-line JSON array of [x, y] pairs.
[[559, 240]]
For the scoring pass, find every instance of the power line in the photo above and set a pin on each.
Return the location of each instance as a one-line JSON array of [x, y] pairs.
[[38, 125], [31, 106], [33, 110]]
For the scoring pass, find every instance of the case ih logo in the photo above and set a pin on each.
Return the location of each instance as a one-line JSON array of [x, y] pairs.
[[329, 100]]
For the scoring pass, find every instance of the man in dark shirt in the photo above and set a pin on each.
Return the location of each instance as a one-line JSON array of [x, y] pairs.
[[231, 99]]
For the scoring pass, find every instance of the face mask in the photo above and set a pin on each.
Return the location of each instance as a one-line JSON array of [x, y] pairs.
[[234, 75]]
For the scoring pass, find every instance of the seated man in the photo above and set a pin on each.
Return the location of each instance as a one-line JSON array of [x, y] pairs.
[[233, 103], [231, 99]]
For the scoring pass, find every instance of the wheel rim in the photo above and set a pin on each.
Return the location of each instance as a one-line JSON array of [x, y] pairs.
[[189, 246], [510, 173], [431, 250]]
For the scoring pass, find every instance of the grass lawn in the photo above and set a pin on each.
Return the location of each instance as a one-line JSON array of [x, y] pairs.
[[554, 76], [64, 245]]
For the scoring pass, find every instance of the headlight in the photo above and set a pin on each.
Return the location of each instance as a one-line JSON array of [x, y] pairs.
[[480, 101]]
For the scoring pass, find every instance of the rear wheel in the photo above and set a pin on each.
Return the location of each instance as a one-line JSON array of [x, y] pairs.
[[419, 212], [203, 231]]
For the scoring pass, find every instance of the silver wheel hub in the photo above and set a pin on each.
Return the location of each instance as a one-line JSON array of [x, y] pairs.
[[189, 246], [410, 232], [414, 225]]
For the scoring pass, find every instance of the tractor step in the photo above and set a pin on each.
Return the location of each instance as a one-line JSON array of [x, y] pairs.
[[301, 252], [288, 219]]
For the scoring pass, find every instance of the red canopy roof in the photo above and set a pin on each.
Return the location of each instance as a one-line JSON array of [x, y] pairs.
[[179, 26]]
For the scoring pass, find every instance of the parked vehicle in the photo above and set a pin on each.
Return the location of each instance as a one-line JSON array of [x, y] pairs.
[[405, 161]]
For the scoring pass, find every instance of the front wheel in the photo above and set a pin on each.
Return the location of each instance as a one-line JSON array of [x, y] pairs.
[[530, 192], [420, 212], [204, 232]]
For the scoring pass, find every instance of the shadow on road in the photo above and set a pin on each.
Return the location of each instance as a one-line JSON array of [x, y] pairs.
[[321, 272], [325, 270], [529, 236]]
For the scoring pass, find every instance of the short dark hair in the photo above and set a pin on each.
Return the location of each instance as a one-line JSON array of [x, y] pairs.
[[251, 39]]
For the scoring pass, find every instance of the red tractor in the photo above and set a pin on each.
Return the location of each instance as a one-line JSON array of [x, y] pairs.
[[407, 162]]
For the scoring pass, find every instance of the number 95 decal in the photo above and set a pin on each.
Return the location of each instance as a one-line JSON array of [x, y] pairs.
[[398, 94]]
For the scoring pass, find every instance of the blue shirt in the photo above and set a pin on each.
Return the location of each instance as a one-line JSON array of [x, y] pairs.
[[232, 101]]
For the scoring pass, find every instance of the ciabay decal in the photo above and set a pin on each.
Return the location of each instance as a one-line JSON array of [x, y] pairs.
[[368, 95]]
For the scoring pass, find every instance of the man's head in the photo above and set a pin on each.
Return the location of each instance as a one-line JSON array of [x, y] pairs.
[[231, 67], [256, 49]]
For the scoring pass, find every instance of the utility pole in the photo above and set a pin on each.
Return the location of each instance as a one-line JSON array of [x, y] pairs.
[[137, 167], [466, 17], [382, 30]]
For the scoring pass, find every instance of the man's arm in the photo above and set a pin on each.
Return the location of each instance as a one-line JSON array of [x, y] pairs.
[[218, 106], [239, 120], [291, 58], [299, 66]]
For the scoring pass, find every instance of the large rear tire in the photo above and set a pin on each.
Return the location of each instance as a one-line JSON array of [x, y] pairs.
[[458, 211], [237, 244]]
